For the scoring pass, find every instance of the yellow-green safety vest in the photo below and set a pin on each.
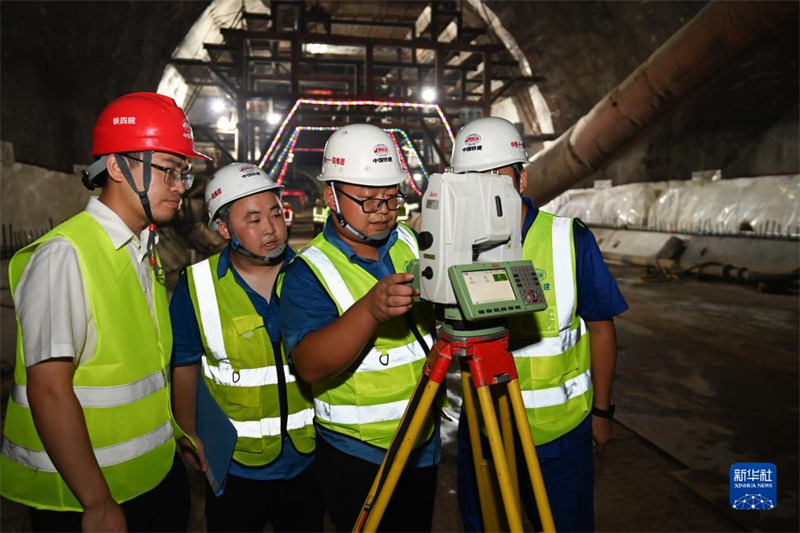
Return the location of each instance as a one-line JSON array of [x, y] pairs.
[[367, 400], [318, 215], [551, 348], [262, 398], [123, 388]]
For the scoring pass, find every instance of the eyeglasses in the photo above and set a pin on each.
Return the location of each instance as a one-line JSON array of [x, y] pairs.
[[171, 175], [373, 205]]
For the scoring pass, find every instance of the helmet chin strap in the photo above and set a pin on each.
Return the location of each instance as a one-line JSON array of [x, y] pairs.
[[275, 257], [373, 240], [147, 158]]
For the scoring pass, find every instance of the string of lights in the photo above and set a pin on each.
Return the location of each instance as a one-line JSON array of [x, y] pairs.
[[330, 102], [286, 156], [392, 132]]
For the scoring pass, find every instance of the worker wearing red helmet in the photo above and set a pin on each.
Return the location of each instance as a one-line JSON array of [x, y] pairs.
[[288, 216], [89, 440]]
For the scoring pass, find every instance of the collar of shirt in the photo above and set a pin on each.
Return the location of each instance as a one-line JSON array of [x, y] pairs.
[[530, 216], [332, 237], [119, 233], [267, 309], [225, 262]]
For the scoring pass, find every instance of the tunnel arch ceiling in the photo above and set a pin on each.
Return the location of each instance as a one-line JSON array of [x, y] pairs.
[[581, 50], [201, 58]]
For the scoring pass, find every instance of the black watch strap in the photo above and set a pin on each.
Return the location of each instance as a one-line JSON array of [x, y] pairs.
[[604, 413]]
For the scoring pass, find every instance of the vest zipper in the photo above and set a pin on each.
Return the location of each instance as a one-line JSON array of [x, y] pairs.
[[282, 394]]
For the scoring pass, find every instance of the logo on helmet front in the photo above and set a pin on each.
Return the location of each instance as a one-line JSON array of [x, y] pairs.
[[248, 171], [516, 144], [381, 152], [214, 195], [472, 143], [123, 120]]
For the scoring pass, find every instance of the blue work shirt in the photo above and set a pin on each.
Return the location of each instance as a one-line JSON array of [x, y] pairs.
[[599, 298], [187, 349], [306, 306]]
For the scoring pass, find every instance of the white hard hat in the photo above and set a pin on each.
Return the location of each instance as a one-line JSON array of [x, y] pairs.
[[235, 181], [485, 144], [362, 154]]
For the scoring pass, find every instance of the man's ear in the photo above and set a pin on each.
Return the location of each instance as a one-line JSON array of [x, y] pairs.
[[222, 228], [114, 172], [327, 194], [523, 181]]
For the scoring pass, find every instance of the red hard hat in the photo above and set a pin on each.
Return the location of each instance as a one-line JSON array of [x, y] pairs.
[[140, 122]]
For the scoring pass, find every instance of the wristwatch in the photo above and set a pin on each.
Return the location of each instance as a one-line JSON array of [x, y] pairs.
[[604, 413]]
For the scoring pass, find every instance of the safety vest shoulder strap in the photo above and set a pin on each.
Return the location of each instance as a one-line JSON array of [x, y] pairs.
[[330, 277], [550, 245], [200, 274], [331, 265], [405, 234]]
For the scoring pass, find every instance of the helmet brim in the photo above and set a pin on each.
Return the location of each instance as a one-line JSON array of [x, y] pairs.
[[387, 181], [212, 222]]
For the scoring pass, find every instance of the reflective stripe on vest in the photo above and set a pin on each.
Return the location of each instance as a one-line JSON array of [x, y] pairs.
[[375, 361], [123, 388], [571, 388], [107, 456], [224, 374], [333, 279], [360, 414], [408, 238], [564, 288], [212, 328], [388, 372], [271, 427], [209, 309], [562, 277], [550, 346], [104, 396], [555, 366], [245, 369]]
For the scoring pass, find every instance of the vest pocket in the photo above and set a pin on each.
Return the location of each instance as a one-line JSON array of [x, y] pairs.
[[548, 378], [252, 343]]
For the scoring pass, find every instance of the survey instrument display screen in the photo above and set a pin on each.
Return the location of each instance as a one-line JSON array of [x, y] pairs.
[[497, 289], [488, 286]]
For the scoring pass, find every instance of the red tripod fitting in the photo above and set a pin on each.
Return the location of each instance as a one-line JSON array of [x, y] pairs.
[[489, 360]]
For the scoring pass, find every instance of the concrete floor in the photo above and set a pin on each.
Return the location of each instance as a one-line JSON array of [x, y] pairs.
[[707, 376]]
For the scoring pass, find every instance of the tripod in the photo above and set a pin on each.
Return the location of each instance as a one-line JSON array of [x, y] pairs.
[[484, 359]]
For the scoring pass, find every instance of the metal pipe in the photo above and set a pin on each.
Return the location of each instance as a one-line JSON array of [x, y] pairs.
[[719, 35]]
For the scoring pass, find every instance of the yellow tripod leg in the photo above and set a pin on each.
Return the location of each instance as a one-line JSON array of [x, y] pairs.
[[507, 432], [534, 471], [513, 513], [486, 495], [378, 501]]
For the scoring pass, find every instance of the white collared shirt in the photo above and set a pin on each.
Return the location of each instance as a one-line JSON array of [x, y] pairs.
[[50, 298]]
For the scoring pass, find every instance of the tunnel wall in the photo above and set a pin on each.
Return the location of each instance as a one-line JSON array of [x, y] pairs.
[[62, 62], [745, 121], [77, 56]]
